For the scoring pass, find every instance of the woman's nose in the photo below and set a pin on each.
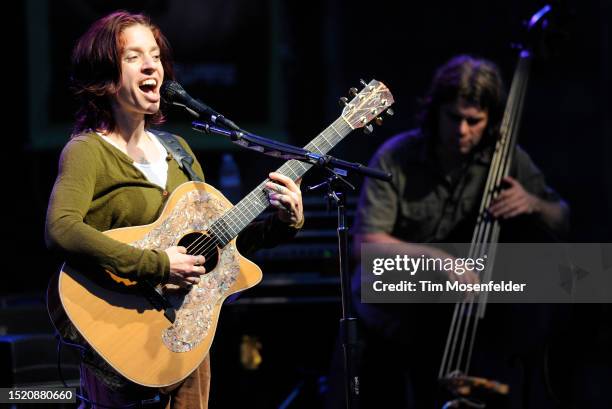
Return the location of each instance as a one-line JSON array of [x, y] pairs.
[[148, 63]]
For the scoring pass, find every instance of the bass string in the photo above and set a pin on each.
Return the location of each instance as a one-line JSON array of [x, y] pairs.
[[487, 229]]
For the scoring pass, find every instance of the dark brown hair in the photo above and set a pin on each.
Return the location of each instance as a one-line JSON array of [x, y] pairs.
[[96, 69], [475, 80]]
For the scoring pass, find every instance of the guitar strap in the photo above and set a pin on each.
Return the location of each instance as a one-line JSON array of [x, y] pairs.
[[180, 155]]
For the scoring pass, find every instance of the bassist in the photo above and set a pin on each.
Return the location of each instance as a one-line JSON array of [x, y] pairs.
[[439, 174]]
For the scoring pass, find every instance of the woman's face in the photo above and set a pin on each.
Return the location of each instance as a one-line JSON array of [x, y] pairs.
[[142, 72]]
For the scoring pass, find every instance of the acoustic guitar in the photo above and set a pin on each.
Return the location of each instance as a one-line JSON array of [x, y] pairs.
[[157, 335]]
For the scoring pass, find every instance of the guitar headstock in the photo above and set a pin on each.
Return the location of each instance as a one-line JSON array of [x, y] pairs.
[[367, 105]]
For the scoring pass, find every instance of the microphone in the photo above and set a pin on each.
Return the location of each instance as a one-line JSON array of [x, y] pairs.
[[173, 93]]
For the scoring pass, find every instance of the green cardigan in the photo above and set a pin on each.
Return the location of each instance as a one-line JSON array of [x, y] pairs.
[[98, 188]]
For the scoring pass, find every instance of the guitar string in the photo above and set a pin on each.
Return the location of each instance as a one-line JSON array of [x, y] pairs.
[[226, 234], [228, 219], [263, 197], [234, 228], [211, 247]]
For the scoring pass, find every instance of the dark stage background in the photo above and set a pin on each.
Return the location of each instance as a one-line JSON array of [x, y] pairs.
[[278, 68]]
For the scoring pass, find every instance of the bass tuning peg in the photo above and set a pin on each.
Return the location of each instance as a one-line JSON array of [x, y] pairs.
[[368, 129]]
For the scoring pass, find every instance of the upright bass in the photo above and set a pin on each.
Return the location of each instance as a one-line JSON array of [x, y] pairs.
[[454, 371]]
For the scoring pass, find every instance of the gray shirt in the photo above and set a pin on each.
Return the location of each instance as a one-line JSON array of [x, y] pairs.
[[421, 204]]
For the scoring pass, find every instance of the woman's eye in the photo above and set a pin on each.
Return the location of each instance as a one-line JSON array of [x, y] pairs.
[[131, 57]]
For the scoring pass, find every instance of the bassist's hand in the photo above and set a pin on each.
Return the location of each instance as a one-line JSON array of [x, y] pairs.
[[514, 201], [185, 270]]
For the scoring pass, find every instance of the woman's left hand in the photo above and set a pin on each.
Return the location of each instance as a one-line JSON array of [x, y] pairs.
[[286, 196]]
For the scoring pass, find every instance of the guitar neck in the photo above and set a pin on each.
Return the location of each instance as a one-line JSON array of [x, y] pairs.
[[252, 205]]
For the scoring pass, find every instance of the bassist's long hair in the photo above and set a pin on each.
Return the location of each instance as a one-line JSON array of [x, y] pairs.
[[475, 80]]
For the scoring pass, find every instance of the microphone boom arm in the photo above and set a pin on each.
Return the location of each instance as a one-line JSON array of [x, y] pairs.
[[285, 151]]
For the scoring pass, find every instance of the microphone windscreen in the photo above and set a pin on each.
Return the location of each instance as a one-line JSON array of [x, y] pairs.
[[172, 91]]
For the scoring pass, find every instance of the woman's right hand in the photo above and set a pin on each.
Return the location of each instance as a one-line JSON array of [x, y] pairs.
[[185, 270]]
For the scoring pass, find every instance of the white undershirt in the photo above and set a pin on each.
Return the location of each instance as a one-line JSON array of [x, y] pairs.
[[155, 172]]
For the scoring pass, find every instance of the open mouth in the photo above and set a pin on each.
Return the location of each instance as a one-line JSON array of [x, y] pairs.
[[148, 86]]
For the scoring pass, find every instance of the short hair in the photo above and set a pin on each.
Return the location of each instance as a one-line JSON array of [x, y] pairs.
[[96, 69], [477, 81]]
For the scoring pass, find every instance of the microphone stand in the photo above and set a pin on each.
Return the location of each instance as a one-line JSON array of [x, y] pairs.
[[337, 187]]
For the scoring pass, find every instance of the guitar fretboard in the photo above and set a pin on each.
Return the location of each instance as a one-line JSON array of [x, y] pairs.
[[252, 205]]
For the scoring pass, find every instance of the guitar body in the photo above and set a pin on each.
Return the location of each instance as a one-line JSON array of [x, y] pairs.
[[124, 328]]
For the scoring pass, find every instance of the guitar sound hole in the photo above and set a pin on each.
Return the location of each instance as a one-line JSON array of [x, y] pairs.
[[198, 243]]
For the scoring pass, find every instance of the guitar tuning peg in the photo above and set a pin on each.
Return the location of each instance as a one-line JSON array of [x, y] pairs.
[[362, 82], [379, 121], [368, 129], [390, 112], [343, 101], [353, 91]]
